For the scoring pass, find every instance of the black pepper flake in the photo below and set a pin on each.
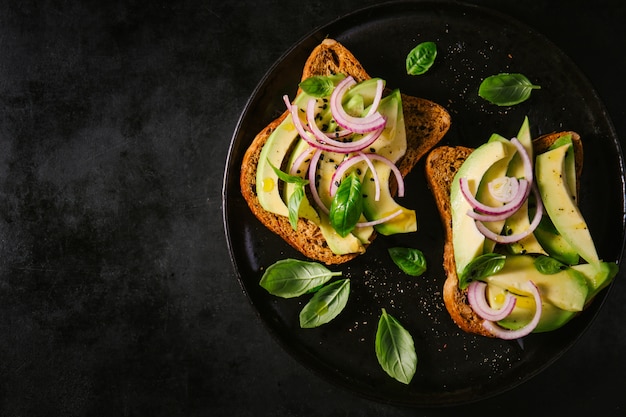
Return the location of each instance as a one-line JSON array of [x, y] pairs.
[[372, 150], [358, 171]]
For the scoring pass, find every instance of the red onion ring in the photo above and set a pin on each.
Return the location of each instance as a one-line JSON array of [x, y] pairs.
[[517, 236], [506, 209], [347, 164], [480, 305], [528, 164], [300, 159], [365, 124], [312, 170], [338, 146], [394, 168], [511, 183], [377, 97], [502, 333], [381, 220]]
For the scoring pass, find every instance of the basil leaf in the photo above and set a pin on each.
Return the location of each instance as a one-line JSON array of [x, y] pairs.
[[506, 89], [326, 304], [317, 86], [421, 58], [292, 179], [548, 266], [409, 260], [347, 205], [294, 206], [481, 267], [290, 278], [395, 349], [296, 197]]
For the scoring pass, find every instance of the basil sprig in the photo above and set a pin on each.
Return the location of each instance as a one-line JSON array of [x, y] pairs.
[[481, 267], [317, 86], [290, 278], [395, 349], [347, 205], [506, 89], [548, 265], [326, 304], [421, 58], [295, 199], [411, 261]]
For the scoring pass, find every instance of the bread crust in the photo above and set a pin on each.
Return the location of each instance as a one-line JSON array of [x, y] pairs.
[[426, 123], [441, 166]]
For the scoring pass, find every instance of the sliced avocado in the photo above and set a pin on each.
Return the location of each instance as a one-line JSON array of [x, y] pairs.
[[570, 163], [392, 145], [554, 244], [467, 240], [566, 289], [598, 276], [306, 210], [497, 170], [552, 317], [520, 220], [559, 204], [275, 150]]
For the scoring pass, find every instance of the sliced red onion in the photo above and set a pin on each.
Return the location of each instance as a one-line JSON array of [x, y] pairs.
[[480, 305], [365, 124], [347, 164], [377, 97], [528, 164], [503, 189], [381, 220], [517, 236], [394, 168], [508, 208], [297, 163], [506, 334], [338, 146], [312, 171]]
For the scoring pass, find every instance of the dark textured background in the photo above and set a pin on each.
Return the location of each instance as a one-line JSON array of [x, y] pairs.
[[117, 296]]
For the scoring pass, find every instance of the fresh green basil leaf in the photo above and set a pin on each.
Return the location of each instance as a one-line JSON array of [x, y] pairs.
[[292, 179], [290, 278], [347, 205], [411, 261], [506, 89], [548, 265], [326, 304], [481, 267], [294, 206], [421, 58], [395, 349], [318, 86]]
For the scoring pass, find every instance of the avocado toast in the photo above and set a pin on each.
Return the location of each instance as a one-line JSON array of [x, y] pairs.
[[424, 123], [560, 293]]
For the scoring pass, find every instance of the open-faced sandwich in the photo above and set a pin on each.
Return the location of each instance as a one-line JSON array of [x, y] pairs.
[[324, 174], [518, 255]]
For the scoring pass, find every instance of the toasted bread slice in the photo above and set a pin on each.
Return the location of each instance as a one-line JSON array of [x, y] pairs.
[[441, 166], [426, 124]]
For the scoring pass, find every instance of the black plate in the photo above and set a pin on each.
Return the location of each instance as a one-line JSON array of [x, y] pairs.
[[473, 43]]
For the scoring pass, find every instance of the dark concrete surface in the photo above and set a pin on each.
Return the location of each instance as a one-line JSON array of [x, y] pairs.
[[117, 296]]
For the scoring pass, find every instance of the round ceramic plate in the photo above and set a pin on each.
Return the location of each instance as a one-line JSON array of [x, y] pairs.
[[473, 43]]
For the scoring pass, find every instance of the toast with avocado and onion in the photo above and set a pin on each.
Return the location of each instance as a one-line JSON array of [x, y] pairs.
[[577, 269], [422, 122]]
